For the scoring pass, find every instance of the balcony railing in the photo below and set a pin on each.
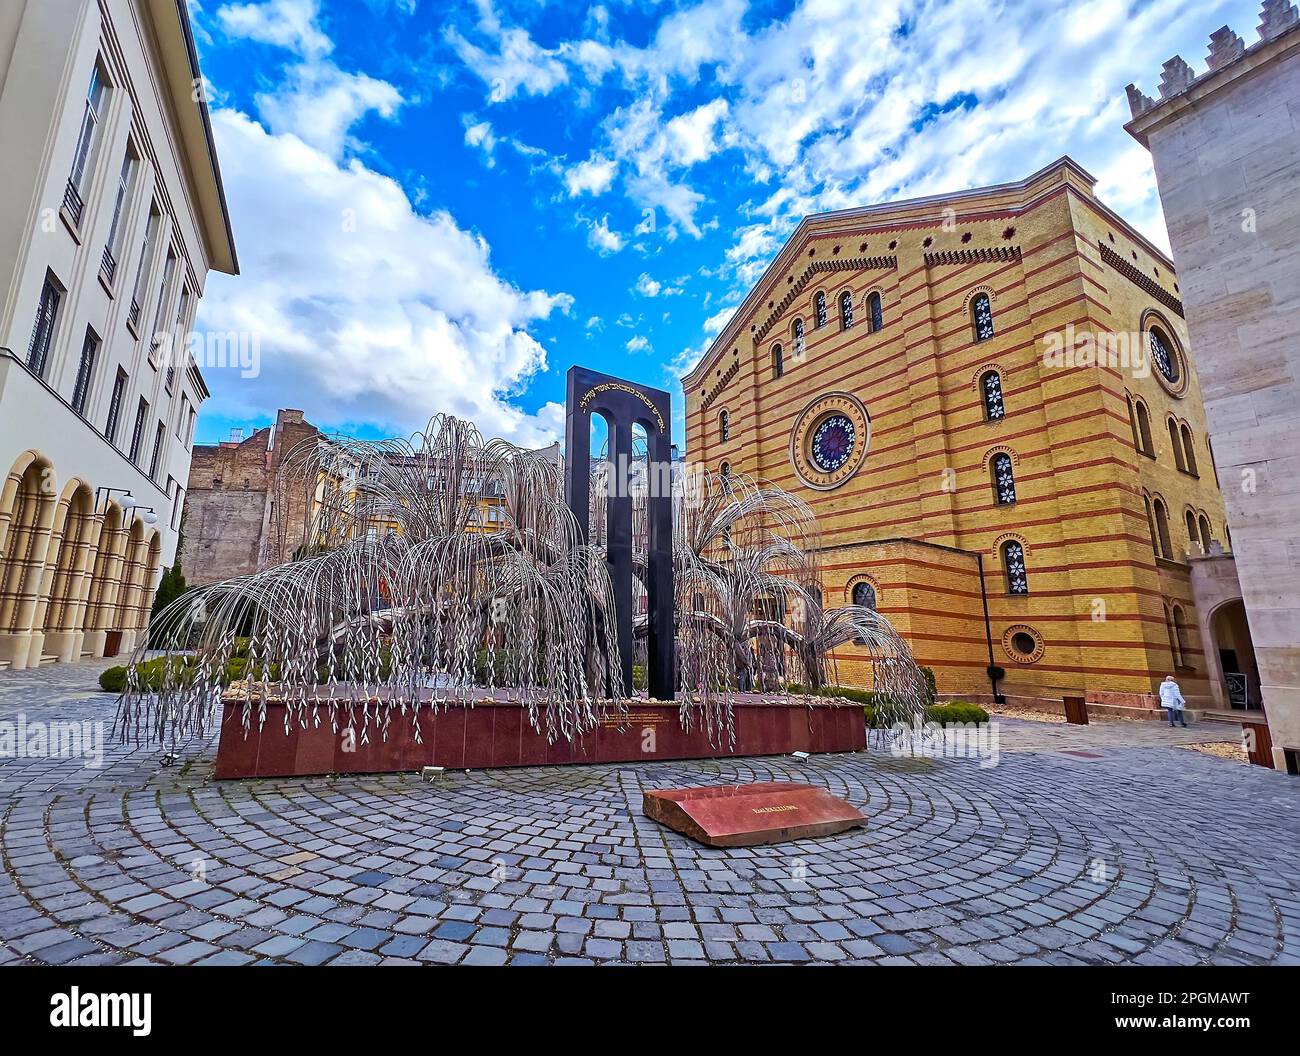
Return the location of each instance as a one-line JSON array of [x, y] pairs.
[[72, 203], [133, 315], [108, 266]]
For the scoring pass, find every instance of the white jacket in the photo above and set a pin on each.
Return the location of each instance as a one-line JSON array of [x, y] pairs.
[[1171, 696]]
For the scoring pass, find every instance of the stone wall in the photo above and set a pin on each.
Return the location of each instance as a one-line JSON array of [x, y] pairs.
[[1226, 149]]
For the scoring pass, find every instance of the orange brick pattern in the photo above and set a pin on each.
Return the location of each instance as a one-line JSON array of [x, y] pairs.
[[920, 514]]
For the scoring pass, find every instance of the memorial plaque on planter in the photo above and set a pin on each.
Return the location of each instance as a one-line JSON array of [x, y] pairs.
[[751, 814]]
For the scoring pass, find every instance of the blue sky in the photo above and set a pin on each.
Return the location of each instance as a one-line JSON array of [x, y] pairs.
[[441, 206]]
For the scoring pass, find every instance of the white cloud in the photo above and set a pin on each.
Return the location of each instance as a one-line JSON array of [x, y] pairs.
[[719, 319], [365, 310], [692, 136], [648, 287], [592, 176], [602, 238], [319, 103], [480, 135], [518, 64], [638, 344], [287, 24]]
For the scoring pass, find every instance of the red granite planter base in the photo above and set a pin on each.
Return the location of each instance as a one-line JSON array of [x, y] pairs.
[[497, 734]]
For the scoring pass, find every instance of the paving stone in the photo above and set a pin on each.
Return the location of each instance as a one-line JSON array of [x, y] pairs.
[[961, 864]]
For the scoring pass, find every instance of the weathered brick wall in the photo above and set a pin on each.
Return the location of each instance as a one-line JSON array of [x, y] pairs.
[[226, 507]]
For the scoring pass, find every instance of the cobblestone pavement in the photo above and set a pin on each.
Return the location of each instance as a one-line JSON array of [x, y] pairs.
[[1129, 851]]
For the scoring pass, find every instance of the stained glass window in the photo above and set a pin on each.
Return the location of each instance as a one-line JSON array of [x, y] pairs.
[[1161, 355], [819, 309], [991, 384], [1004, 480], [846, 310], [778, 362], [724, 425], [982, 312], [798, 337], [1013, 558]]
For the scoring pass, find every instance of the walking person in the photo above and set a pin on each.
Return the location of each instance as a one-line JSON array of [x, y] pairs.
[[1171, 699]]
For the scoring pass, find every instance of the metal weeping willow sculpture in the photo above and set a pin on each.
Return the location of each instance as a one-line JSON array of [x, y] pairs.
[[448, 571]]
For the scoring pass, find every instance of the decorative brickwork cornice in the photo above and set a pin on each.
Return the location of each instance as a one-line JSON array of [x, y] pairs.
[[1140, 279], [972, 256], [712, 395], [820, 267]]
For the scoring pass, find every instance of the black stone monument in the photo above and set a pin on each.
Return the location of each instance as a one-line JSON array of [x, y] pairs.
[[623, 405]]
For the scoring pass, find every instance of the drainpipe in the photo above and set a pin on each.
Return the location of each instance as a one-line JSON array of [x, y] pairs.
[[988, 631]]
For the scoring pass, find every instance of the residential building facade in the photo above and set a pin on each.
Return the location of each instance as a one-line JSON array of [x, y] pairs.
[[989, 400], [112, 214]]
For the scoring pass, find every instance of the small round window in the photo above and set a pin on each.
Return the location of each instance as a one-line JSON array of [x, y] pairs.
[[1023, 642]]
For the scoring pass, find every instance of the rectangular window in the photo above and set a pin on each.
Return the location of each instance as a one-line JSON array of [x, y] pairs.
[[108, 264], [189, 429], [142, 270], [85, 372], [47, 314], [115, 406], [178, 503], [82, 159], [182, 416], [164, 295], [137, 434], [159, 435]]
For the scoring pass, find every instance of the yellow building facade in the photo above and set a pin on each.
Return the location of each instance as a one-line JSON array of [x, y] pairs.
[[988, 399]]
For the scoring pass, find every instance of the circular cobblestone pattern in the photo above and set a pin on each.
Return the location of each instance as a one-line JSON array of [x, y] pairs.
[[1101, 844]]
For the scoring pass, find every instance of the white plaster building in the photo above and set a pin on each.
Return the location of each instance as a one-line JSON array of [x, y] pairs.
[[111, 216]]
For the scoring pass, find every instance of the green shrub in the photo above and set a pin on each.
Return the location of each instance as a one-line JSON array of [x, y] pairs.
[[113, 680], [955, 711], [640, 677]]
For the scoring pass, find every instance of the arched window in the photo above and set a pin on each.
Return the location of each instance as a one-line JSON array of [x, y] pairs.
[[724, 425], [726, 471], [1176, 442], [864, 595], [846, 310], [1004, 480], [875, 313], [981, 313], [991, 389], [819, 310], [778, 361], [1189, 450], [1146, 445], [797, 333], [1193, 538], [1165, 546], [1151, 527], [1013, 560], [1203, 523], [1133, 422]]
